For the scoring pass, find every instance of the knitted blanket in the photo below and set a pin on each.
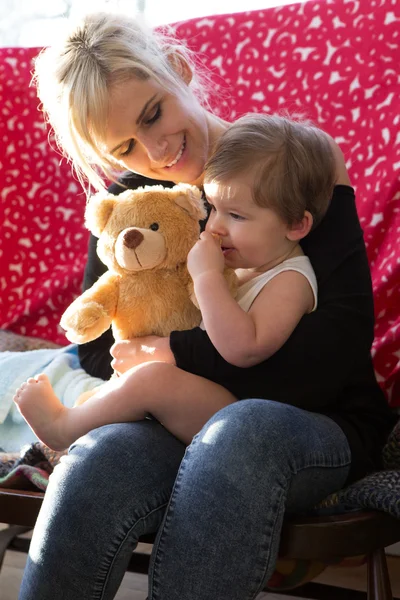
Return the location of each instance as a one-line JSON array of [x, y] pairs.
[[29, 469], [377, 491]]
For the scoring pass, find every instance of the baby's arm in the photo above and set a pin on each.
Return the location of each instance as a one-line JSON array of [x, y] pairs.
[[246, 339]]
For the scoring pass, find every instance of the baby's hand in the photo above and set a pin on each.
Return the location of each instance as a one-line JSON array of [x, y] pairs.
[[205, 256]]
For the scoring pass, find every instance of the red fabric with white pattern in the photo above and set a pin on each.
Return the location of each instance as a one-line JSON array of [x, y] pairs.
[[336, 62]]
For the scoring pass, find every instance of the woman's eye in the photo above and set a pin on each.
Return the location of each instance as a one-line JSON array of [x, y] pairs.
[[156, 114], [129, 148]]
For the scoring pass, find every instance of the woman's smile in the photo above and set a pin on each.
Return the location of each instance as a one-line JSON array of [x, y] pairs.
[[177, 162], [168, 136]]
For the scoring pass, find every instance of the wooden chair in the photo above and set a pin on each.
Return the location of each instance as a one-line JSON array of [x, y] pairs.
[[325, 539]]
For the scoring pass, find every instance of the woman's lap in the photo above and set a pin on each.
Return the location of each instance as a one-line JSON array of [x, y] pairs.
[[101, 498], [254, 459], [251, 460]]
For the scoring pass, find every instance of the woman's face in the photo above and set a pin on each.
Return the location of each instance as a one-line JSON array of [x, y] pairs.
[[159, 134]]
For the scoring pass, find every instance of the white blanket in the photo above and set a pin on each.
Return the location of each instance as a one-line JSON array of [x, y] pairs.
[[66, 375]]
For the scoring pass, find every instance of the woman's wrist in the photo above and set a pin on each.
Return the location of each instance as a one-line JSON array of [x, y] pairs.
[[130, 353]]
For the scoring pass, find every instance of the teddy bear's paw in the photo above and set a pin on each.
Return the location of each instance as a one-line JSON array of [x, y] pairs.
[[194, 300], [84, 322], [192, 295], [232, 281]]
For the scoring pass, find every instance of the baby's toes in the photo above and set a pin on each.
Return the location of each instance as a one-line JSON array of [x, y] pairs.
[[31, 380], [42, 377], [19, 392]]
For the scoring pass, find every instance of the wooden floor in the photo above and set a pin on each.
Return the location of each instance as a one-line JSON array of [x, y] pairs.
[[134, 586]]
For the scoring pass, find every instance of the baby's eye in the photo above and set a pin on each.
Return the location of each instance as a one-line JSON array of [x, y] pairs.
[[236, 217], [154, 226]]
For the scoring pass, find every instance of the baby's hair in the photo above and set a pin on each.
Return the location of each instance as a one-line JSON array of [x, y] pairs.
[[73, 80], [292, 161]]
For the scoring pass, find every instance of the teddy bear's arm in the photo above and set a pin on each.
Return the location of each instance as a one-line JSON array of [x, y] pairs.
[[90, 315]]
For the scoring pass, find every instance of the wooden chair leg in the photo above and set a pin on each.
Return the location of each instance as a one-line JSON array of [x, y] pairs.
[[379, 587], [6, 537]]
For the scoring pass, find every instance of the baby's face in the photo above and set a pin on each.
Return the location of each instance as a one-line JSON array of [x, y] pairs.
[[252, 237]]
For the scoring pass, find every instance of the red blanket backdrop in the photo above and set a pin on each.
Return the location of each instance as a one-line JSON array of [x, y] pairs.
[[336, 63]]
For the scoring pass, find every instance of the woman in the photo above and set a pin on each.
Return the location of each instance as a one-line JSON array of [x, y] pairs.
[[121, 98]]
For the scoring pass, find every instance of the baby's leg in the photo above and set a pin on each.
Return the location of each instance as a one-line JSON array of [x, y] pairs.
[[182, 402], [58, 426]]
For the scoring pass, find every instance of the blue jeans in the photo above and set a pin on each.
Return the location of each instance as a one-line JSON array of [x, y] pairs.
[[218, 507]]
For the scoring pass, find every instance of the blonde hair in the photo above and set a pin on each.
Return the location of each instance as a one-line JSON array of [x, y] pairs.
[[292, 161], [73, 80]]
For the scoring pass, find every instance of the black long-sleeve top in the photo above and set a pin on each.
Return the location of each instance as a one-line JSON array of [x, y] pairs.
[[325, 366]]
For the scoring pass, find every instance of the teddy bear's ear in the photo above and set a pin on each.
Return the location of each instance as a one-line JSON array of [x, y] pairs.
[[190, 199], [98, 211]]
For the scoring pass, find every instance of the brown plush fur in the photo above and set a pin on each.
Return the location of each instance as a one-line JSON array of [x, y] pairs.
[[144, 238]]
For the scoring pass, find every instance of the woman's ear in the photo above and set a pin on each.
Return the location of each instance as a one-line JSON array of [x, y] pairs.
[[181, 66], [299, 230]]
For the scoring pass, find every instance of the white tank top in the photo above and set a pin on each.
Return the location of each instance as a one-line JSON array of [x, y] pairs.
[[249, 291]]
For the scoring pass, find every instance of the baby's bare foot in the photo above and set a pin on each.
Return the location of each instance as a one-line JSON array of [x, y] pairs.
[[43, 411]]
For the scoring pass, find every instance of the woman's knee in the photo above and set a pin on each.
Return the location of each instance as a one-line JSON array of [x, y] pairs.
[[118, 439], [118, 455], [266, 432], [252, 419]]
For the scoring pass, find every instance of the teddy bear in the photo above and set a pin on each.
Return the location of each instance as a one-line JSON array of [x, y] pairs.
[[144, 237]]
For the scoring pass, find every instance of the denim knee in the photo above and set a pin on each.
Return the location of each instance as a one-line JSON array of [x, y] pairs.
[[246, 420], [272, 430]]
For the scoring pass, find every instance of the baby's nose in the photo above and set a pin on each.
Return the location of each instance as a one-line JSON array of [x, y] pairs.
[[214, 225]]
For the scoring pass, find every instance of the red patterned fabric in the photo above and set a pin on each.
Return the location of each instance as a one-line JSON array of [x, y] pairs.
[[43, 244], [335, 62]]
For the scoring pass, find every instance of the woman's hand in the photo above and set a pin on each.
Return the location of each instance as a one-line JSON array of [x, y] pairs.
[[129, 353], [205, 256]]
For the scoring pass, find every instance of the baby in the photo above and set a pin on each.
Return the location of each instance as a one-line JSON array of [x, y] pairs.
[[268, 183]]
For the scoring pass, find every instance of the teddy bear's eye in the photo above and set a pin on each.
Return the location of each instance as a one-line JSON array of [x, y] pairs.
[[154, 226]]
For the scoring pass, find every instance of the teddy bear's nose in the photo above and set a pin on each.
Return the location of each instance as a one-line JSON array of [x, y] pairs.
[[132, 238]]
